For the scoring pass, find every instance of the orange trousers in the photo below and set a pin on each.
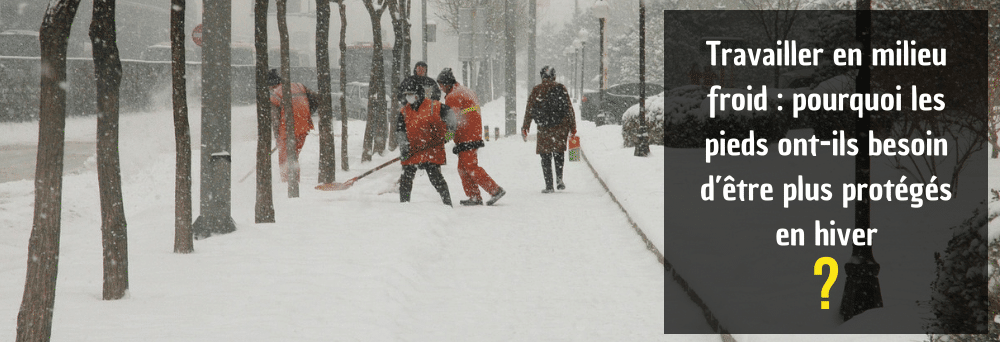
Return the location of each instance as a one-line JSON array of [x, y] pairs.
[[473, 176]]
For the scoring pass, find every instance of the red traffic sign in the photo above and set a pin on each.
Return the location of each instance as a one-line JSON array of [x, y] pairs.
[[196, 35]]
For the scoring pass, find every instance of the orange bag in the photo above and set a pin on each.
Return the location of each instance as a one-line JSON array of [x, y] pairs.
[[574, 148]]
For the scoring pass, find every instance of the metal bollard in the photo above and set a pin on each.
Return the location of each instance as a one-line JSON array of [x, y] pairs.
[[486, 133], [497, 130]]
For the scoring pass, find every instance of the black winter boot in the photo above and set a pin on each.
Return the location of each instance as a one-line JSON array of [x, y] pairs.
[[437, 180], [471, 201], [406, 182], [496, 197], [547, 172], [559, 161]]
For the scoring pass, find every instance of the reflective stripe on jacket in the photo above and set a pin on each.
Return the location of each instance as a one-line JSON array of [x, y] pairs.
[[465, 104]]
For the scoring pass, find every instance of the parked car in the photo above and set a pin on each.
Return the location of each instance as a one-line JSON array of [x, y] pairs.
[[296, 58], [242, 54], [609, 107], [162, 52], [335, 103], [357, 100]]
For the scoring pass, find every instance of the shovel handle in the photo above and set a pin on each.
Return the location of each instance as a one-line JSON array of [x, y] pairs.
[[352, 180], [254, 168]]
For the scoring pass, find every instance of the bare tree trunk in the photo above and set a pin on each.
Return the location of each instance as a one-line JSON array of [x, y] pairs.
[[399, 12], [327, 143], [264, 207], [377, 129], [34, 319], [510, 69], [343, 86], [780, 25], [996, 147], [183, 235], [286, 102], [108, 73], [407, 42]]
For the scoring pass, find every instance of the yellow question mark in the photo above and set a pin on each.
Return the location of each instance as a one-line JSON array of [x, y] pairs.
[[818, 270]]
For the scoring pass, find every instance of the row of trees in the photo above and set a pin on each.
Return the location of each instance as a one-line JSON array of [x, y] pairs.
[[35, 316], [34, 319]]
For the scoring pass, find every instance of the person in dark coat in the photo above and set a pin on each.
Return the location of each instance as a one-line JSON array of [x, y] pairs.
[[429, 85], [420, 132], [549, 106]]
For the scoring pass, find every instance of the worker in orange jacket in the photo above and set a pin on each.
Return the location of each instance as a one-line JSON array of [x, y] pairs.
[[301, 113], [468, 138], [420, 130]]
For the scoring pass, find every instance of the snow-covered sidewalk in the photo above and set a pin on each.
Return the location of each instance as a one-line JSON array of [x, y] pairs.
[[354, 265]]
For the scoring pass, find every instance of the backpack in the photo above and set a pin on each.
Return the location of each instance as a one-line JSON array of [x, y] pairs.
[[551, 109]]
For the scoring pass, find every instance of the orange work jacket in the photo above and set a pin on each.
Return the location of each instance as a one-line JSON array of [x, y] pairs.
[[300, 106], [425, 131]]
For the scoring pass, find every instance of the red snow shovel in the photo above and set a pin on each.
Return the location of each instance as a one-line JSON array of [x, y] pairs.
[[347, 185]]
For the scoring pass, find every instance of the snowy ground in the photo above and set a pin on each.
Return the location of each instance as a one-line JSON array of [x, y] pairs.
[[355, 265]]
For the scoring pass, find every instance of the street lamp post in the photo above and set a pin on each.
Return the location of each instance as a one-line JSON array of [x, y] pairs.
[[423, 29], [861, 289], [582, 35], [510, 68], [576, 65], [600, 11], [532, 25], [570, 58], [642, 147]]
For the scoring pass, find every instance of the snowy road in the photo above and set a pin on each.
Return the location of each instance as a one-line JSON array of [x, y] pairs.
[[17, 162]]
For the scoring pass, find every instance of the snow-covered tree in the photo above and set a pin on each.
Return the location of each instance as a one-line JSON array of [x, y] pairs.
[[327, 143], [959, 302], [343, 85], [34, 319], [183, 233], [400, 13], [264, 205], [108, 74], [777, 19], [377, 128], [286, 100]]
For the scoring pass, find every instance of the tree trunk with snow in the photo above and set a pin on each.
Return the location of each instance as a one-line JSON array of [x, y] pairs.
[[327, 143], [183, 235], [292, 161], [34, 319], [343, 86], [400, 13], [377, 129], [108, 73], [264, 206]]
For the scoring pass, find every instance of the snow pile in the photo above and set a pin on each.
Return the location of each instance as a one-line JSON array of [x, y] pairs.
[[957, 291], [654, 121], [680, 117]]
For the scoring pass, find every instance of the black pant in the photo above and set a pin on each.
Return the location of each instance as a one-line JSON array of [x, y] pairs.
[[547, 167], [433, 172]]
